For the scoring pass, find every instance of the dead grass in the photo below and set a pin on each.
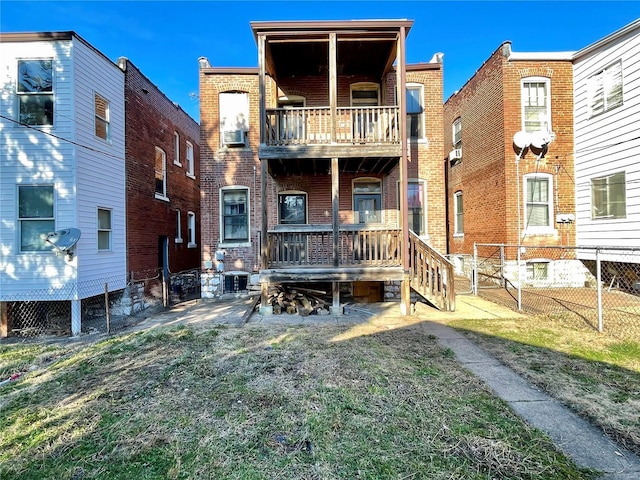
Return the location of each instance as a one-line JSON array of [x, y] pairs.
[[596, 375], [263, 402]]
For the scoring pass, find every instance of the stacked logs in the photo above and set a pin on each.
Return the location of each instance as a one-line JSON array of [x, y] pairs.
[[293, 299]]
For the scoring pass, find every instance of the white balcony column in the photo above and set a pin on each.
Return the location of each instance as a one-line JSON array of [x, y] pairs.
[[405, 288]]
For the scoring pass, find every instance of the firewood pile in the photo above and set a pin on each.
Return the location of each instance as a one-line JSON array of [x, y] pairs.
[[294, 299]]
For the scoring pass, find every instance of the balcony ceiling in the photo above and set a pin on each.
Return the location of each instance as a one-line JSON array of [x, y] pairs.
[[322, 166], [355, 57]]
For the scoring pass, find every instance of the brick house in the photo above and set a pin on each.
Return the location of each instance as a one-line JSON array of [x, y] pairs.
[[324, 164], [510, 170], [162, 151]]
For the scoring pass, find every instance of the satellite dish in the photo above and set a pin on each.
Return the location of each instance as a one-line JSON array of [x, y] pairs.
[[540, 140], [63, 240], [522, 139]]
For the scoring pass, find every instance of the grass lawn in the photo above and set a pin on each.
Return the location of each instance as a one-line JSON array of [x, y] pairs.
[[595, 374], [260, 402]]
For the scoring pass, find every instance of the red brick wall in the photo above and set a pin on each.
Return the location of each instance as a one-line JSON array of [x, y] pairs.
[[489, 105], [241, 166], [151, 121]]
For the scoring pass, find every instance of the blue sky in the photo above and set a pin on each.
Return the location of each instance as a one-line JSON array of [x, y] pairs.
[[165, 38]]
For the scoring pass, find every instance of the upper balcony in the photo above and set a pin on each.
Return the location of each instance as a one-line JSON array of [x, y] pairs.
[[353, 131], [328, 89]]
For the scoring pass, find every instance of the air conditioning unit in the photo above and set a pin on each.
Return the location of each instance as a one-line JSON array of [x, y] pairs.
[[455, 154], [233, 137]]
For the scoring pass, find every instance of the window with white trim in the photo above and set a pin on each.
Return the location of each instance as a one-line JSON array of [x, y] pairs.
[[104, 229], [190, 166], [35, 216], [416, 199], [35, 91], [367, 200], [161, 173], [234, 118], [178, 238], [609, 196], [415, 110], [176, 148], [458, 209], [235, 215], [191, 230], [536, 105], [604, 89], [538, 200], [101, 107], [456, 133]]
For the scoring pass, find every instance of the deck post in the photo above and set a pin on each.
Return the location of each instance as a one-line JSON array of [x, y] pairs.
[[265, 308], [336, 308], [405, 288]]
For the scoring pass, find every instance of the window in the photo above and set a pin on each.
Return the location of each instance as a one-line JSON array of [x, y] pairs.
[[234, 117], [35, 91], [190, 167], [605, 89], [538, 270], [191, 230], [536, 108], [608, 196], [235, 215], [178, 238], [161, 174], [414, 111], [35, 216], [292, 208], [104, 229], [176, 148], [458, 208], [538, 202], [415, 204], [367, 201], [101, 107], [456, 133]]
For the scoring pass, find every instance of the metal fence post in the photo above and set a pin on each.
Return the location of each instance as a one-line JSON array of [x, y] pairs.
[[599, 288], [106, 307], [503, 280], [519, 280], [474, 271]]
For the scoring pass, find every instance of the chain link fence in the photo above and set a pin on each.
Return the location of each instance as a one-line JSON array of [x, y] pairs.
[[600, 285], [121, 303]]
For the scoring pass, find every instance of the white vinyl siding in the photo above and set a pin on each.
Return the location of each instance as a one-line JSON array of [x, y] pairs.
[[73, 170], [607, 144]]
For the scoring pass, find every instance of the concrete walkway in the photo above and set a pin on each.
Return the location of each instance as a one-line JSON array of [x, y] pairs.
[[574, 436]]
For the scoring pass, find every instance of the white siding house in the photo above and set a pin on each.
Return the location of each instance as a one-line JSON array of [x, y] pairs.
[[607, 144], [61, 166]]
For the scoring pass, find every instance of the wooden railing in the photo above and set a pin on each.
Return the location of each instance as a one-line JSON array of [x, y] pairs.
[[313, 246], [312, 125], [431, 274]]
